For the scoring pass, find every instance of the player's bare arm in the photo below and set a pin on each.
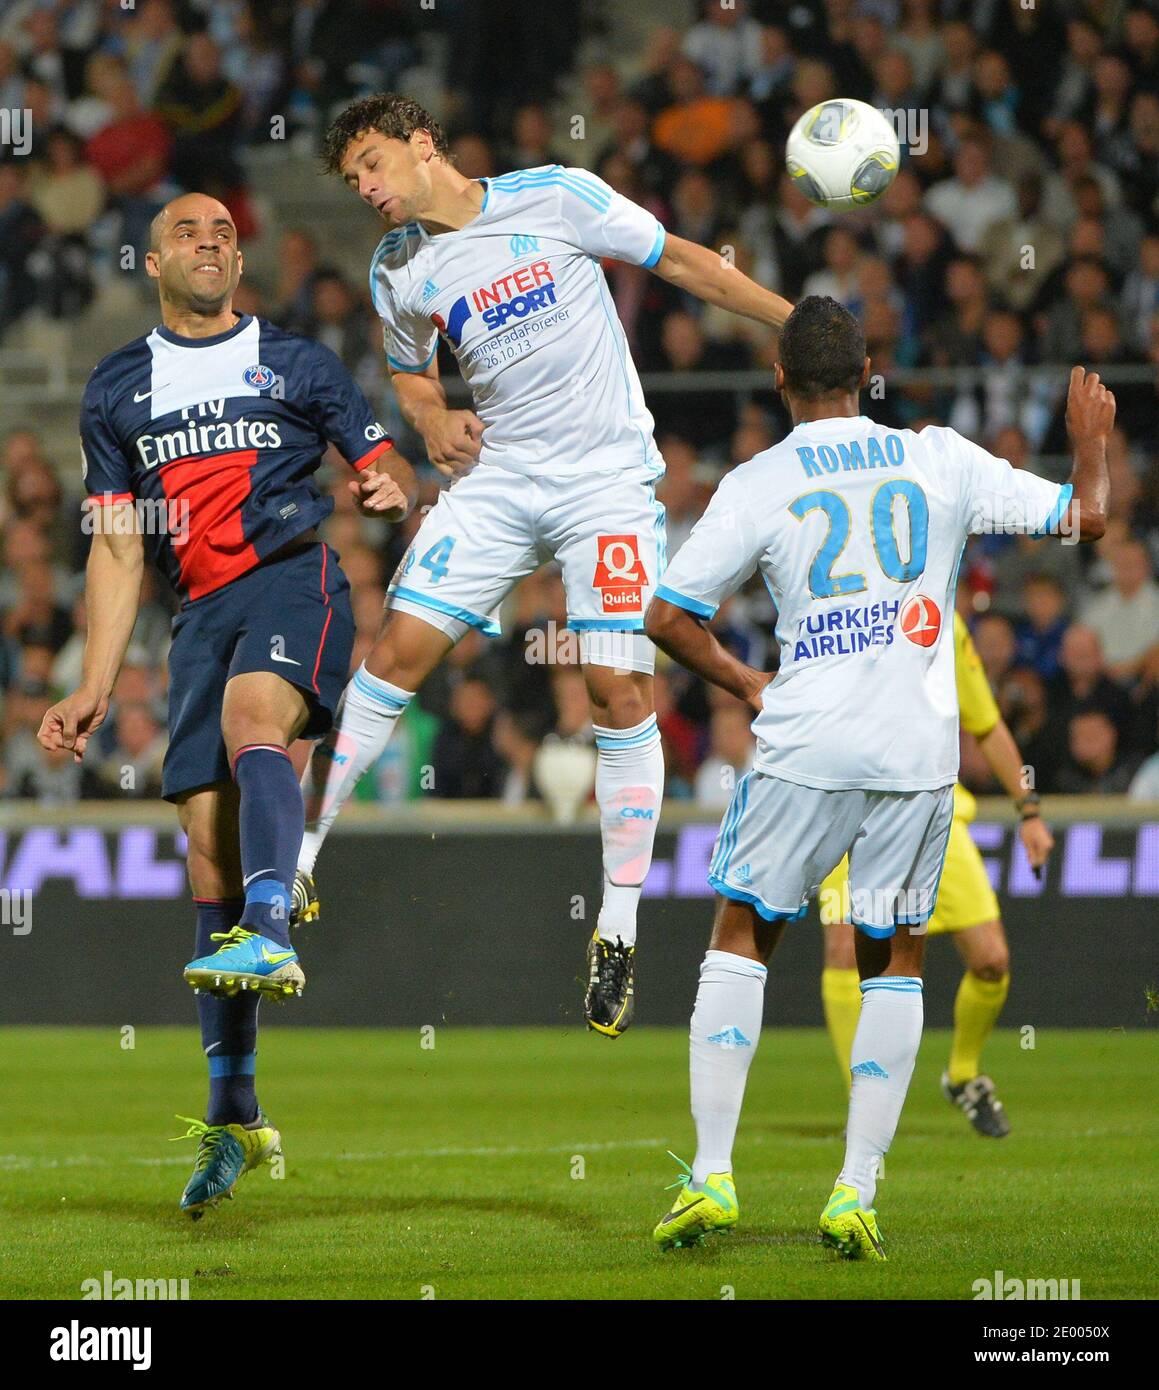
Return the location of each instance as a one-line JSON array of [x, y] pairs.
[[1090, 416], [713, 278], [687, 640], [453, 438], [388, 488], [1005, 762], [116, 565]]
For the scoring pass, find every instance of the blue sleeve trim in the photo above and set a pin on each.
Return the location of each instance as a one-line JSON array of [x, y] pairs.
[[406, 367], [1050, 526], [692, 605], [657, 248]]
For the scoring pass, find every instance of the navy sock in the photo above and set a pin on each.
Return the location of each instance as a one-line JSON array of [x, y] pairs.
[[229, 1027], [272, 821]]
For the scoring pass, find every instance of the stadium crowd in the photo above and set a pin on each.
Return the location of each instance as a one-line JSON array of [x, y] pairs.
[[1022, 230]]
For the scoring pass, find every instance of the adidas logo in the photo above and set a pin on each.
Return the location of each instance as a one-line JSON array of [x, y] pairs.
[[428, 289], [870, 1069], [744, 874], [732, 1037]]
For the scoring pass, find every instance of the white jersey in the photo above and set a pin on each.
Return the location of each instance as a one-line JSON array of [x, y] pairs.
[[858, 531], [519, 296]]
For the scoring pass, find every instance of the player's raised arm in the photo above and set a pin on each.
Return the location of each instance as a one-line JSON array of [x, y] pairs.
[[719, 555], [116, 564], [713, 278], [453, 438], [1090, 417]]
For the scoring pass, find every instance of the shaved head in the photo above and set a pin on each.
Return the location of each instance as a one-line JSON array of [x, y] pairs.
[[189, 206]]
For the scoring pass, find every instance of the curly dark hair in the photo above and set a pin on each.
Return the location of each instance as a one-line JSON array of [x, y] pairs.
[[393, 116], [822, 348]]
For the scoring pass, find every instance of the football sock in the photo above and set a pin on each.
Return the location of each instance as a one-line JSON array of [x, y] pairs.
[[726, 1026], [841, 998], [366, 716], [270, 820], [629, 788], [229, 1027], [976, 1010], [885, 1048]]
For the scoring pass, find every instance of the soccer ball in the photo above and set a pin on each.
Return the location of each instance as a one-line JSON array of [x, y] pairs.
[[842, 154]]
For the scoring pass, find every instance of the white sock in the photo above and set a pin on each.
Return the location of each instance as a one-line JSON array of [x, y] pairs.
[[366, 717], [885, 1048], [726, 1026], [629, 788]]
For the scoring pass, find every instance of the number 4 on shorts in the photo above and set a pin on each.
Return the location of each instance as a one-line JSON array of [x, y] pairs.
[[437, 557]]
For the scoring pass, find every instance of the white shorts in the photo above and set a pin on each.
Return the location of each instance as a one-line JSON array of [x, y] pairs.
[[492, 527], [778, 842]]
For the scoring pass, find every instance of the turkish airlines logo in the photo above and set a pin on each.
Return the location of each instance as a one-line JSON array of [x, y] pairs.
[[620, 575], [921, 621]]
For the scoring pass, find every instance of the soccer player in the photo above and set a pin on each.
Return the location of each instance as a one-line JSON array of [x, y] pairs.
[[556, 460], [966, 906], [858, 530], [199, 444]]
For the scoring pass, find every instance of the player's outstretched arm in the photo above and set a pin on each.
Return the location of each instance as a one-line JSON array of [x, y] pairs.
[[116, 565], [388, 488], [1090, 417], [686, 639], [453, 437], [713, 278], [1001, 753]]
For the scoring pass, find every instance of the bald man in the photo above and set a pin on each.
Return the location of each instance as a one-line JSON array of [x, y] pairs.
[[200, 442]]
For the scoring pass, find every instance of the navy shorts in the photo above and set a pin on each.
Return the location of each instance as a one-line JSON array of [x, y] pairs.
[[291, 616]]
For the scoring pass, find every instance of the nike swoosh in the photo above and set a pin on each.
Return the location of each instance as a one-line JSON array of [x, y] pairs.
[[211, 1046], [140, 396], [288, 660], [276, 956], [672, 1215], [249, 878], [872, 1239]]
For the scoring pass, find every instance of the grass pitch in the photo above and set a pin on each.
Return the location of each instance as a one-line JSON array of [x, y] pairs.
[[531, 1164]]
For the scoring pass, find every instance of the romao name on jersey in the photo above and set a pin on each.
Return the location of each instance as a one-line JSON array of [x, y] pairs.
[[525, 290], [844, 631], [849, 457]]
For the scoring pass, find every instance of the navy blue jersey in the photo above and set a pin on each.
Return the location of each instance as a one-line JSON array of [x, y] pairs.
[[221, 437]]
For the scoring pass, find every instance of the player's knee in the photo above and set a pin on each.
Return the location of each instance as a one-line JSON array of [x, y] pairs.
[[993, 966], [623, 701]]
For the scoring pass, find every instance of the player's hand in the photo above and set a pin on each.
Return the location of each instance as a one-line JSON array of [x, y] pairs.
[[377, 494], [73, 721], [755, 697], [1090, 407], [453, 439], [1036, 840]]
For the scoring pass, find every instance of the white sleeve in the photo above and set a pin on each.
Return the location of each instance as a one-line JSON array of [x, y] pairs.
[[1004, 500], [410, 340], [716, 559], [603, 222]]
